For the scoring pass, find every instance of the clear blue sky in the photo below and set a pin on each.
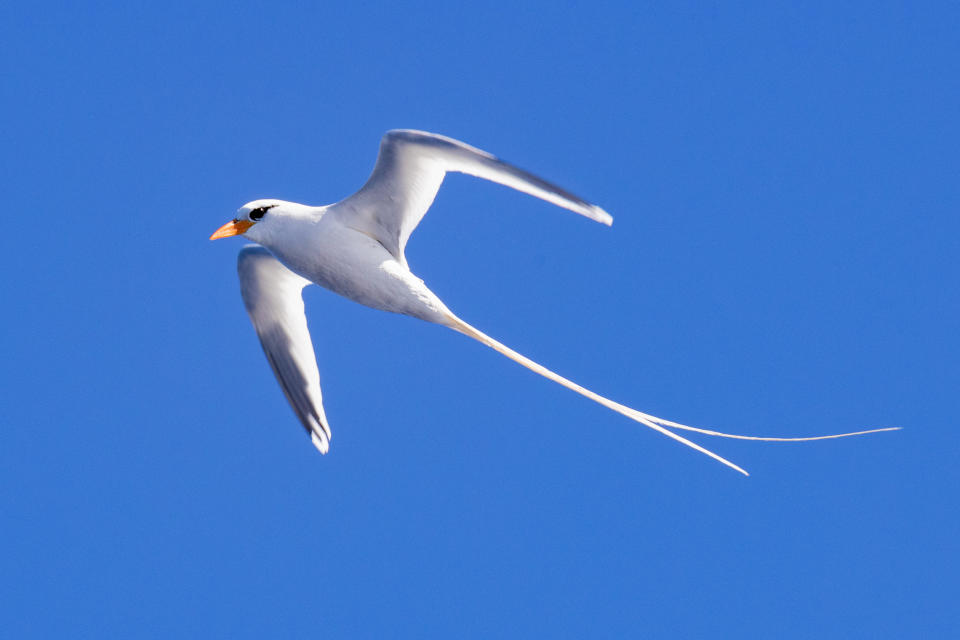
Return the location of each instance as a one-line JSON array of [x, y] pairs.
[[783, 261]]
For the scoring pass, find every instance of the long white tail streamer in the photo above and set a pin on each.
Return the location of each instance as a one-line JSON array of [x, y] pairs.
[[655, 423]]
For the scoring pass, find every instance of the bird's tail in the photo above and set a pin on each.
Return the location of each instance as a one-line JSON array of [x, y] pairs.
[[655, 423]]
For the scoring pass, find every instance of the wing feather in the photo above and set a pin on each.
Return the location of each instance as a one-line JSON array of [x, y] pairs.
[[409, 171], [273, 297]]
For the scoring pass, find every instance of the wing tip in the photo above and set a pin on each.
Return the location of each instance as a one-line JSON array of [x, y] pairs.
[[320, 441], [597, 214]]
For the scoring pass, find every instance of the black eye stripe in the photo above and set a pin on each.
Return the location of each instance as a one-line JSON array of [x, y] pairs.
[[256, 214]]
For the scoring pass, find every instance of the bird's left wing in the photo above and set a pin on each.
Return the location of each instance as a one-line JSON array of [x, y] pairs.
[[409, 170], [273, 297]]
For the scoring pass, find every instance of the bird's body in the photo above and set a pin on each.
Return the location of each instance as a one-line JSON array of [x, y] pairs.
[[318, 244], [356, 248]]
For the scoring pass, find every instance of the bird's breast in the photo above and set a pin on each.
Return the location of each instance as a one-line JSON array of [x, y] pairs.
[[358, 267]]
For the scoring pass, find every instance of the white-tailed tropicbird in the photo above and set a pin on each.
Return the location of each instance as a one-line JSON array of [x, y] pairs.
[[356, 248]]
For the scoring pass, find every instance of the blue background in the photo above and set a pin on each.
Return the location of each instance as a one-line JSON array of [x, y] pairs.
[[784, 183]]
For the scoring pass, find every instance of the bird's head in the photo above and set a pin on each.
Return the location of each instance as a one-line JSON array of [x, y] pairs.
[[253, 219]]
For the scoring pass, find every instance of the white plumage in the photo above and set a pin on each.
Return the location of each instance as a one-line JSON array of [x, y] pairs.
[[356, 249]]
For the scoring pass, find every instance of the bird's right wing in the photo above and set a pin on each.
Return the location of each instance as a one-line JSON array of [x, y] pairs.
[[272, 295], [409, 170]]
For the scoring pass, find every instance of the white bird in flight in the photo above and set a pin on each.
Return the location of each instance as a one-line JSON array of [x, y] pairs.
[[356, 248]]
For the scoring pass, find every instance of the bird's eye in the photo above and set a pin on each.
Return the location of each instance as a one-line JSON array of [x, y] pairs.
[[256, 214]]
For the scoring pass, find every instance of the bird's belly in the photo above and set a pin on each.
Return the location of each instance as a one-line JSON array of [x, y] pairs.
[[359, 268]]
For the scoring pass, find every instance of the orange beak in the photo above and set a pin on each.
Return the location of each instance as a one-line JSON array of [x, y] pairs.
[[232, 228]]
